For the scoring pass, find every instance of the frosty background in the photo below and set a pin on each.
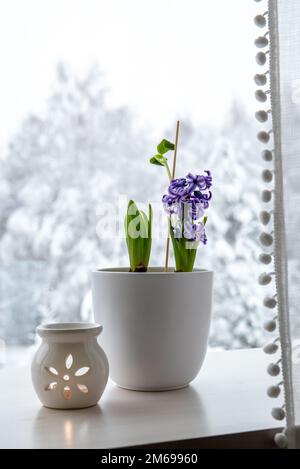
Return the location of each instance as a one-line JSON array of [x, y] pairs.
[[86, 145]]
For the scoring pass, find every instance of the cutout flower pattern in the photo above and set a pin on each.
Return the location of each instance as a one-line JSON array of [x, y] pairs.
[[66, 380]]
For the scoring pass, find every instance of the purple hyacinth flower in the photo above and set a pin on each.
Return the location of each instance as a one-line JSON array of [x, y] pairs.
[[176, 225], [186, 202], [168, 199], [177, 188], [195, 232], [193, 209], [198, 182]]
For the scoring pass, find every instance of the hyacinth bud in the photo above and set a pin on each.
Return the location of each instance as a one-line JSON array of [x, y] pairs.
[[138, 231]]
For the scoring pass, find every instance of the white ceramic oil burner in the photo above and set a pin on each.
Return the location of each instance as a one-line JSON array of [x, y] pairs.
[[70, 369]]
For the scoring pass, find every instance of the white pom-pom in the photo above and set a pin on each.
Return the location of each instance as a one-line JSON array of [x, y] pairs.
[[267, 175], [265, 217], [263, 136], [281, 440], [267, 155], [260, 21], [266, 239], [278, 413], [261, 42], [266, 196], [260, 79], [273, 369], [265, 258], [261, 58], [261, 116], [264, 279], [271, 348], [273, 391], [270, 302], [261, 96], [270, 326]]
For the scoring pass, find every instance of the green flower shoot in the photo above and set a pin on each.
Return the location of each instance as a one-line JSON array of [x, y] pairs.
[[138, 231]]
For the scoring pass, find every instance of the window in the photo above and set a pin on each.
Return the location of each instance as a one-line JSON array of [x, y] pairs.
[[88, 87]]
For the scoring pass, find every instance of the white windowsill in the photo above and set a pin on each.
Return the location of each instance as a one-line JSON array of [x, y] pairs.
[[226, 406]]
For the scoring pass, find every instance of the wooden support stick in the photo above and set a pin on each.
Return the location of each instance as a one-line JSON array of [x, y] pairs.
[[173, 176]]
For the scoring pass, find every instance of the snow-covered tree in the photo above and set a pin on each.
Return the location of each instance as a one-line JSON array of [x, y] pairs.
[[63, 164], [58, 168]]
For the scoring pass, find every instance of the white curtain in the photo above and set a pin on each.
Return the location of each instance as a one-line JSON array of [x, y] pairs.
[[283, 51]]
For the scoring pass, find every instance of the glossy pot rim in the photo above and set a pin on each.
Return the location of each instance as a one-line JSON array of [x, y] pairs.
[[69, 328], [151, 271]]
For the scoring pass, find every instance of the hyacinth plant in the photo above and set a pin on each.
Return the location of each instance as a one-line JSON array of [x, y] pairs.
[[185, 203]]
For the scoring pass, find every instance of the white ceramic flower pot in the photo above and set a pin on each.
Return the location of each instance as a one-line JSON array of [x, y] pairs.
[[70, 369], [156, 325]]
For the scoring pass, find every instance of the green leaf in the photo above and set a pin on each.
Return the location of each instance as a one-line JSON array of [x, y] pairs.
[[165, 146], [150, 221], [143, 224], [184, 258], [149, 239], [159, 160], [130, 215]]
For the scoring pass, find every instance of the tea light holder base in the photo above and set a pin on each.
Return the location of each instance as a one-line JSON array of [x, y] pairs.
[[70, 369]]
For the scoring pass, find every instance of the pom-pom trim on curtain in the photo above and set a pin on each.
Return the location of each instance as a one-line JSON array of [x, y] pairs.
[[275, 238]]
